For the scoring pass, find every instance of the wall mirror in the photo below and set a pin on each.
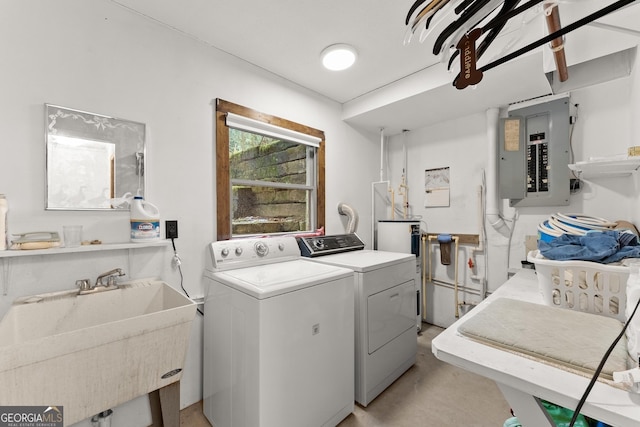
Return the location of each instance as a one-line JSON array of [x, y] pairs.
[[91, 159]]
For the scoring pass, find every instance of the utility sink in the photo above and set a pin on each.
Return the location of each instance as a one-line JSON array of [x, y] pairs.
[[89, 353]]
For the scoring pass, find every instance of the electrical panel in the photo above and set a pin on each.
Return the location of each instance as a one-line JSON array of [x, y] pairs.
[[534, 153]]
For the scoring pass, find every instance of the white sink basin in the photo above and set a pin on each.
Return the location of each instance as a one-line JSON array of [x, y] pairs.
[[89, 353]]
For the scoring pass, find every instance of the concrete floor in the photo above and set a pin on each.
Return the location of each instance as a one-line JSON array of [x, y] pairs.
[[431, 393]]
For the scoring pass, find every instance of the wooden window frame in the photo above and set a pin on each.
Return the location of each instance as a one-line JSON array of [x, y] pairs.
[[223, 186]]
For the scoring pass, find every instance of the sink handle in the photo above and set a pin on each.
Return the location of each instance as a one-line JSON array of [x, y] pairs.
[[84, 284]]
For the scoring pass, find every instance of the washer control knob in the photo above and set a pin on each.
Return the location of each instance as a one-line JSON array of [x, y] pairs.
[[318, 243], [238, 251], [225, 252], [261, 249], [281, 247]]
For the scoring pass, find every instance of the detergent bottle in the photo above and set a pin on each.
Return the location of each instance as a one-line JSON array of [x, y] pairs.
[[145, 221], [633, 330]]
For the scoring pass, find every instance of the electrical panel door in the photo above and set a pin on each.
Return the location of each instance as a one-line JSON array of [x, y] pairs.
[[534, 154]]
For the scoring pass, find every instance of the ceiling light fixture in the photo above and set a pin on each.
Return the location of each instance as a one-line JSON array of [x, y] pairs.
[[338, 57]]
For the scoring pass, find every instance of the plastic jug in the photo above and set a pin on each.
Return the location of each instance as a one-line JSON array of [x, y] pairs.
[[145, 221]]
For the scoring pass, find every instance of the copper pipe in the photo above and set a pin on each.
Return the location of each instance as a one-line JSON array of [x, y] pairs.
[[455, 289], [557, 45], [424, 278]]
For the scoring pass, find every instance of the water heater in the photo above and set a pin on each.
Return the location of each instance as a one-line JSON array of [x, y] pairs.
[[399, 236]]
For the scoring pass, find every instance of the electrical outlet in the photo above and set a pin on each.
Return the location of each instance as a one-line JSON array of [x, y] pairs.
[[171, 229], [574, 185]]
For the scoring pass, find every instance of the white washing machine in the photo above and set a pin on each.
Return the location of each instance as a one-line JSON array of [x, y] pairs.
[[278, 337], [385, 309]]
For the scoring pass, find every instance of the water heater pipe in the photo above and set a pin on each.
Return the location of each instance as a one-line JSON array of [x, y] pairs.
[[493, 201]]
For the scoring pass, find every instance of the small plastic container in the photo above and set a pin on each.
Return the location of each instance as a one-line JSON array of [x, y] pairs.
[[72, 235]]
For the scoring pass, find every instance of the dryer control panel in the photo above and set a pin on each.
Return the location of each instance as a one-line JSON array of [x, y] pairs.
[[328, 245]]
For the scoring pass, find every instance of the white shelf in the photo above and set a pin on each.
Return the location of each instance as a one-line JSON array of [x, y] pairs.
[[83, 248], [605, 168]]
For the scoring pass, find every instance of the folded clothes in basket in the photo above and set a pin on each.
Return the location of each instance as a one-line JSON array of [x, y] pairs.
[[598, 246]]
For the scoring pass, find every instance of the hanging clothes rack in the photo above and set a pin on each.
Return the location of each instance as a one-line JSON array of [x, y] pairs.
[[508, 6], [557, 45], [566, 30], [471, 14]]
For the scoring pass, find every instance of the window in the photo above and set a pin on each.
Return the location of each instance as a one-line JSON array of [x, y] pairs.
[[270, 174]]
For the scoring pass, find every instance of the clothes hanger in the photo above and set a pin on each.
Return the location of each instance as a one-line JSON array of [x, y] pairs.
[[443, 16], [469, 12], [453, 29], [499, 21], [503, 18], [567, 29], [475, 13], [447, 47], [509, 5], [489, 37], [462, 6], [428, 12], [441, 7], [413, 8]]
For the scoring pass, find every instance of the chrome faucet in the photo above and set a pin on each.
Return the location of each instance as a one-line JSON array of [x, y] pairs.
[[86, 287], [111, 277]]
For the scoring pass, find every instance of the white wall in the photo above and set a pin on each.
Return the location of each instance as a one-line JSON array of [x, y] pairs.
[[634, 112], [98, 57], [605, 127]]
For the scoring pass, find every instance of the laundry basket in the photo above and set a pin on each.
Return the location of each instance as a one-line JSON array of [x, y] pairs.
[[582, 285]]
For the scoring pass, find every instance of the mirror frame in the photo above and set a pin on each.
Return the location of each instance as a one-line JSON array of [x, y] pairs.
[[125, 171]]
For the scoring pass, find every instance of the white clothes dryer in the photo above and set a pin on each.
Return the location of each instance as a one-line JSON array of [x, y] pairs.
[[385, 308], [278, 337]]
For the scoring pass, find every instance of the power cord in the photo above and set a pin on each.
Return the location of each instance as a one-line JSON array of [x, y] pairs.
[[575, 184], [176, 262], [583, 399]]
